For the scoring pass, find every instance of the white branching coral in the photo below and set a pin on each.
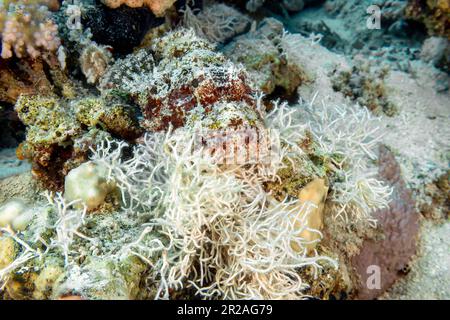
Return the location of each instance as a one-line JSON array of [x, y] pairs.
[[214, 228], [216, 22], [26, 28], [15, 261], [67, 225], [126, 175], [54, 228], [350, 136]]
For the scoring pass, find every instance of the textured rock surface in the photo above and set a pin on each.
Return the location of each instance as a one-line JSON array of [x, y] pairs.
[[430, 274], [269, 67], [400, 225], [22, 186], [122, 28]]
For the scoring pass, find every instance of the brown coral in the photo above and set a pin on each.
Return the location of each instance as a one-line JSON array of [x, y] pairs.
[[42, 75], [434, 14], [365, 85], [438, 208], [26, 77], [158, 7], [59, 135]]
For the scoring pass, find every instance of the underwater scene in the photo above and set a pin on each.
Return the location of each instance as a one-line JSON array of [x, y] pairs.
[[224, 150]]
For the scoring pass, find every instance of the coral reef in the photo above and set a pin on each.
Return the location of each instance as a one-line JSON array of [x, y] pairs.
[[94, 61], [190, 150], [175, 198], [365, 85], [435, 15], [218, 23], [269, 67], [26, 28], [210, 219], [188, 74], [158, 7], [59, 136], [122, 28]]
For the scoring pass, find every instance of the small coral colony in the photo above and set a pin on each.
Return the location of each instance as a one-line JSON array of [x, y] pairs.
[[172, 163]]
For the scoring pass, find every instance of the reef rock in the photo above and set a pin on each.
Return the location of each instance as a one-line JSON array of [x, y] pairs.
[[122, 28], [60, 134], [433, 14], [268, 66], [436, 50]]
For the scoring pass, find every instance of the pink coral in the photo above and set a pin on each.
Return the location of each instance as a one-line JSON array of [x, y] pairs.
[[26, 28], [158, 7]]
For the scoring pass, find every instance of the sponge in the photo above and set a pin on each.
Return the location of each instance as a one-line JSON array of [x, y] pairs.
[[88, 183]]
